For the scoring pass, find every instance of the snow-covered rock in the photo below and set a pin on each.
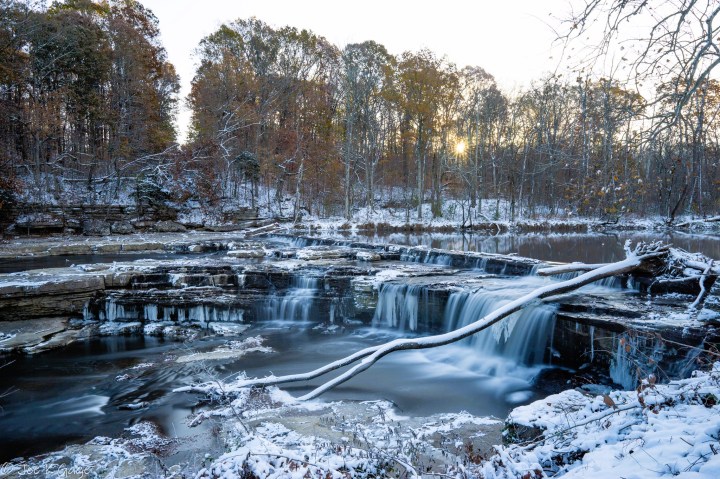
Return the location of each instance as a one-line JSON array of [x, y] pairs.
[[654, 431]]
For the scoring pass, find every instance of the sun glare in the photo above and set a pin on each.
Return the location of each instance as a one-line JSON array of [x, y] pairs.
[[460, 147]]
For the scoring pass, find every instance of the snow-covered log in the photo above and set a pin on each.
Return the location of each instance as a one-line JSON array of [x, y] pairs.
[[685, 224], [568, 268], [685, 273], [644, 259], [267, 229]]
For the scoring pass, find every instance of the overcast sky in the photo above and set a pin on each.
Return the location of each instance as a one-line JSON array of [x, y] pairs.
[[510, 39]]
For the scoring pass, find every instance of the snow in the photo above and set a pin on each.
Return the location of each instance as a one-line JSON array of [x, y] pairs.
[[233, 349], [654, 431], [360, 440]]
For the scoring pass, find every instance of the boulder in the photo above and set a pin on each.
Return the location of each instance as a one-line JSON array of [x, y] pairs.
[[168, 226], [93, 227], [122, 228]]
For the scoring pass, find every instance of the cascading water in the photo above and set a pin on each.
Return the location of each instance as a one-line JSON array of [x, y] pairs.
[[515, 345], [612, 282], [427, 257], [398, 306], [113, 311], [521, 339], [296, 304]]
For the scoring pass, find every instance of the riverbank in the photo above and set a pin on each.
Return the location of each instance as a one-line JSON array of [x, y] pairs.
[[490, 217], [329, 296], [654, 431]]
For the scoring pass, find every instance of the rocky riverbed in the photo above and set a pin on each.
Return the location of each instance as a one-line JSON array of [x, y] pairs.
[[217, 287]]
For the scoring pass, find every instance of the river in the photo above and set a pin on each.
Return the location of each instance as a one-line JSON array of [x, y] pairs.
[[83, 390]]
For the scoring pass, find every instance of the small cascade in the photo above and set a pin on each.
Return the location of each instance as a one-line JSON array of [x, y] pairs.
[[112, 311], [304, 242], [636, 356], [427, 257], [296, 304], [520, 339], [481, 264], [612, 282], [397, 306]]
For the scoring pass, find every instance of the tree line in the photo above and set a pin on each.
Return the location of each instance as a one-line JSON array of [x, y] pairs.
[[283, 117], [87, 96]]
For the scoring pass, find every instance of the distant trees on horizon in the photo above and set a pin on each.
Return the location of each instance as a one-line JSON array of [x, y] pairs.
[[88, 99]]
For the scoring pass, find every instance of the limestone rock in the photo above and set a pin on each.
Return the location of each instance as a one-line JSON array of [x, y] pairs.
[[67, 249], [246, 253], [108, 248], [122, 228], [368, 256], [168, 226], [93, 227], [324, 252], [143, 246]]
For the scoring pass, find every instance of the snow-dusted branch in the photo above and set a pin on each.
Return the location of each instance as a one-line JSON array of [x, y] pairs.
[[685, 224], [645, 259], [568, 268]]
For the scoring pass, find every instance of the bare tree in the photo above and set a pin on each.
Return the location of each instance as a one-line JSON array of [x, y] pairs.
[[677, 39]]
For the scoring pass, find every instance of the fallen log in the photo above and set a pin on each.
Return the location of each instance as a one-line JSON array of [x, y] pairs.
[[686, 224], [568, 268], [263, 230], [645, 259]]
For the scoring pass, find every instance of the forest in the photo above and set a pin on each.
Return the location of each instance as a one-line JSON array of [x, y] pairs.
[[281, 116]]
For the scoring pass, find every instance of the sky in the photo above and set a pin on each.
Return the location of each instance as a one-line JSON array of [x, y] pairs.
[[511, 39]]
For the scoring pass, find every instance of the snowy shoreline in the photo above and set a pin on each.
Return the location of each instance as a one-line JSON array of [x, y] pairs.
[[653, 431]]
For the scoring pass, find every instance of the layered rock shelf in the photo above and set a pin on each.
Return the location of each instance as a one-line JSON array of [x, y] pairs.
[[338, 282]]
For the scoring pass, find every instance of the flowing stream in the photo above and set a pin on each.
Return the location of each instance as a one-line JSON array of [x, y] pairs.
[[100, 386]]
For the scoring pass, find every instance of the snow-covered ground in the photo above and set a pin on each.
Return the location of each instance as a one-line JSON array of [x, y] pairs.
[[389, 212], [654, 431]]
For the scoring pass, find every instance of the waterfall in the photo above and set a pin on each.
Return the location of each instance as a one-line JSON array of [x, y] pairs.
[[612, 282], [112, 311], [523, 337], [427, 257], [296, 304], [397, 306]]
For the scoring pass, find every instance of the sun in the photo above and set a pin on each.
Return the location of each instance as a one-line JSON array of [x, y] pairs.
[[460, 147]]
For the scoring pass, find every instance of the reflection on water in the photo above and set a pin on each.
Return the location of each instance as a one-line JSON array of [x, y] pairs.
[[588, 248], [62, 261], [83, 391], [76, 393]]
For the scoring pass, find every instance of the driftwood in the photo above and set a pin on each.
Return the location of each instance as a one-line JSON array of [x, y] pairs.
[[267, 229], [568, 268], [646, 260], [686, 224], [683, 273]]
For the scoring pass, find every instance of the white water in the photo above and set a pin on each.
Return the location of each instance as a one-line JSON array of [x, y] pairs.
[[612, 282], [517, 346], [296, 304], [522, 339], [427, 257], [397, 306]]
